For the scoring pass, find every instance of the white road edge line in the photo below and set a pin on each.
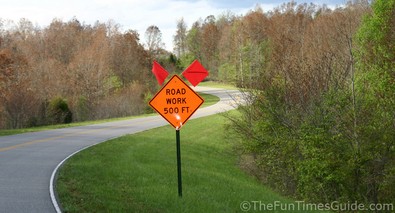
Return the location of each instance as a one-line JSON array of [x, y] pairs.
[[55, 171]]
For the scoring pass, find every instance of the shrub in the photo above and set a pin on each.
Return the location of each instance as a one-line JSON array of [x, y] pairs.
[[329, 139], [59, 111]]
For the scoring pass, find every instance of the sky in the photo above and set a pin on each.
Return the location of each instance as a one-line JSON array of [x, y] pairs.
[[135, 14]]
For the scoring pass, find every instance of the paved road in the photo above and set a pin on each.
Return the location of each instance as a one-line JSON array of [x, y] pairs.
[[27, 161]]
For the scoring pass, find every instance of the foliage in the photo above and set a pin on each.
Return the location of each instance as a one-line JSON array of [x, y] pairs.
[[185, 60], [125, 102], [147, 98], [180, 38], [81, 111], [170, 63], [319, 120], [375, 88], [226, 72], [85, 64], [59, 111], [154, 43]]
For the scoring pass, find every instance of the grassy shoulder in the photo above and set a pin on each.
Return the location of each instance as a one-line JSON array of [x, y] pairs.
[[5, 132], [208, 101], [215, 84], [138, 173]]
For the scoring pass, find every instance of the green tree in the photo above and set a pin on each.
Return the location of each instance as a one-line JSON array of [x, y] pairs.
[[375, 89], [194, 40], [297, 125], [59, 111]]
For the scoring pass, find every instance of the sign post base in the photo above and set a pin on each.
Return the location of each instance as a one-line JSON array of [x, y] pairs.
[[179, 162]]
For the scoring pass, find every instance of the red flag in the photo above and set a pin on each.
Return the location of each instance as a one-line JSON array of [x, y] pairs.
[[159, 72], [195, 73]]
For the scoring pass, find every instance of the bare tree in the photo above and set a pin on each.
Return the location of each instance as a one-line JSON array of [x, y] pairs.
[[180, 45], [153, 37]]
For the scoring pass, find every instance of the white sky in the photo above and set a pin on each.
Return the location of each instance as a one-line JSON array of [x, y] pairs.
[[134, 14]]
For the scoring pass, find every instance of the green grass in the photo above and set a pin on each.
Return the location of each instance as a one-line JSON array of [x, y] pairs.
[[138, 173], [215, 84], [208, 100]]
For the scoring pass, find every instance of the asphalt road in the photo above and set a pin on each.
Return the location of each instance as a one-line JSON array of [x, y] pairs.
[[28, 161]]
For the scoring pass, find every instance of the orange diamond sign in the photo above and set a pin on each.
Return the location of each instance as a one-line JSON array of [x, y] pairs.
[[176, 102]]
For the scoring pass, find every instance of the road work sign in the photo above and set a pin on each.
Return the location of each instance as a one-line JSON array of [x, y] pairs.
[[176, 102]]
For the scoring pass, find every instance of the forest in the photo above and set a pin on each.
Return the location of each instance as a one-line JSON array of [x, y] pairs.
[[69, 71], [319, 123], [320, 120]]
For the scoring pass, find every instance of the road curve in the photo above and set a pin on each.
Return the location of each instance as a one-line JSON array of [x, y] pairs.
[[28, 160]]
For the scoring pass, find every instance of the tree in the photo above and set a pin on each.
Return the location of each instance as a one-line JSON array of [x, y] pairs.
[[375, 96], [180, 43], [18, 100], [210, 36], [298, 124], [194, 40], [128, 57], [154, 42], [92, 67]]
